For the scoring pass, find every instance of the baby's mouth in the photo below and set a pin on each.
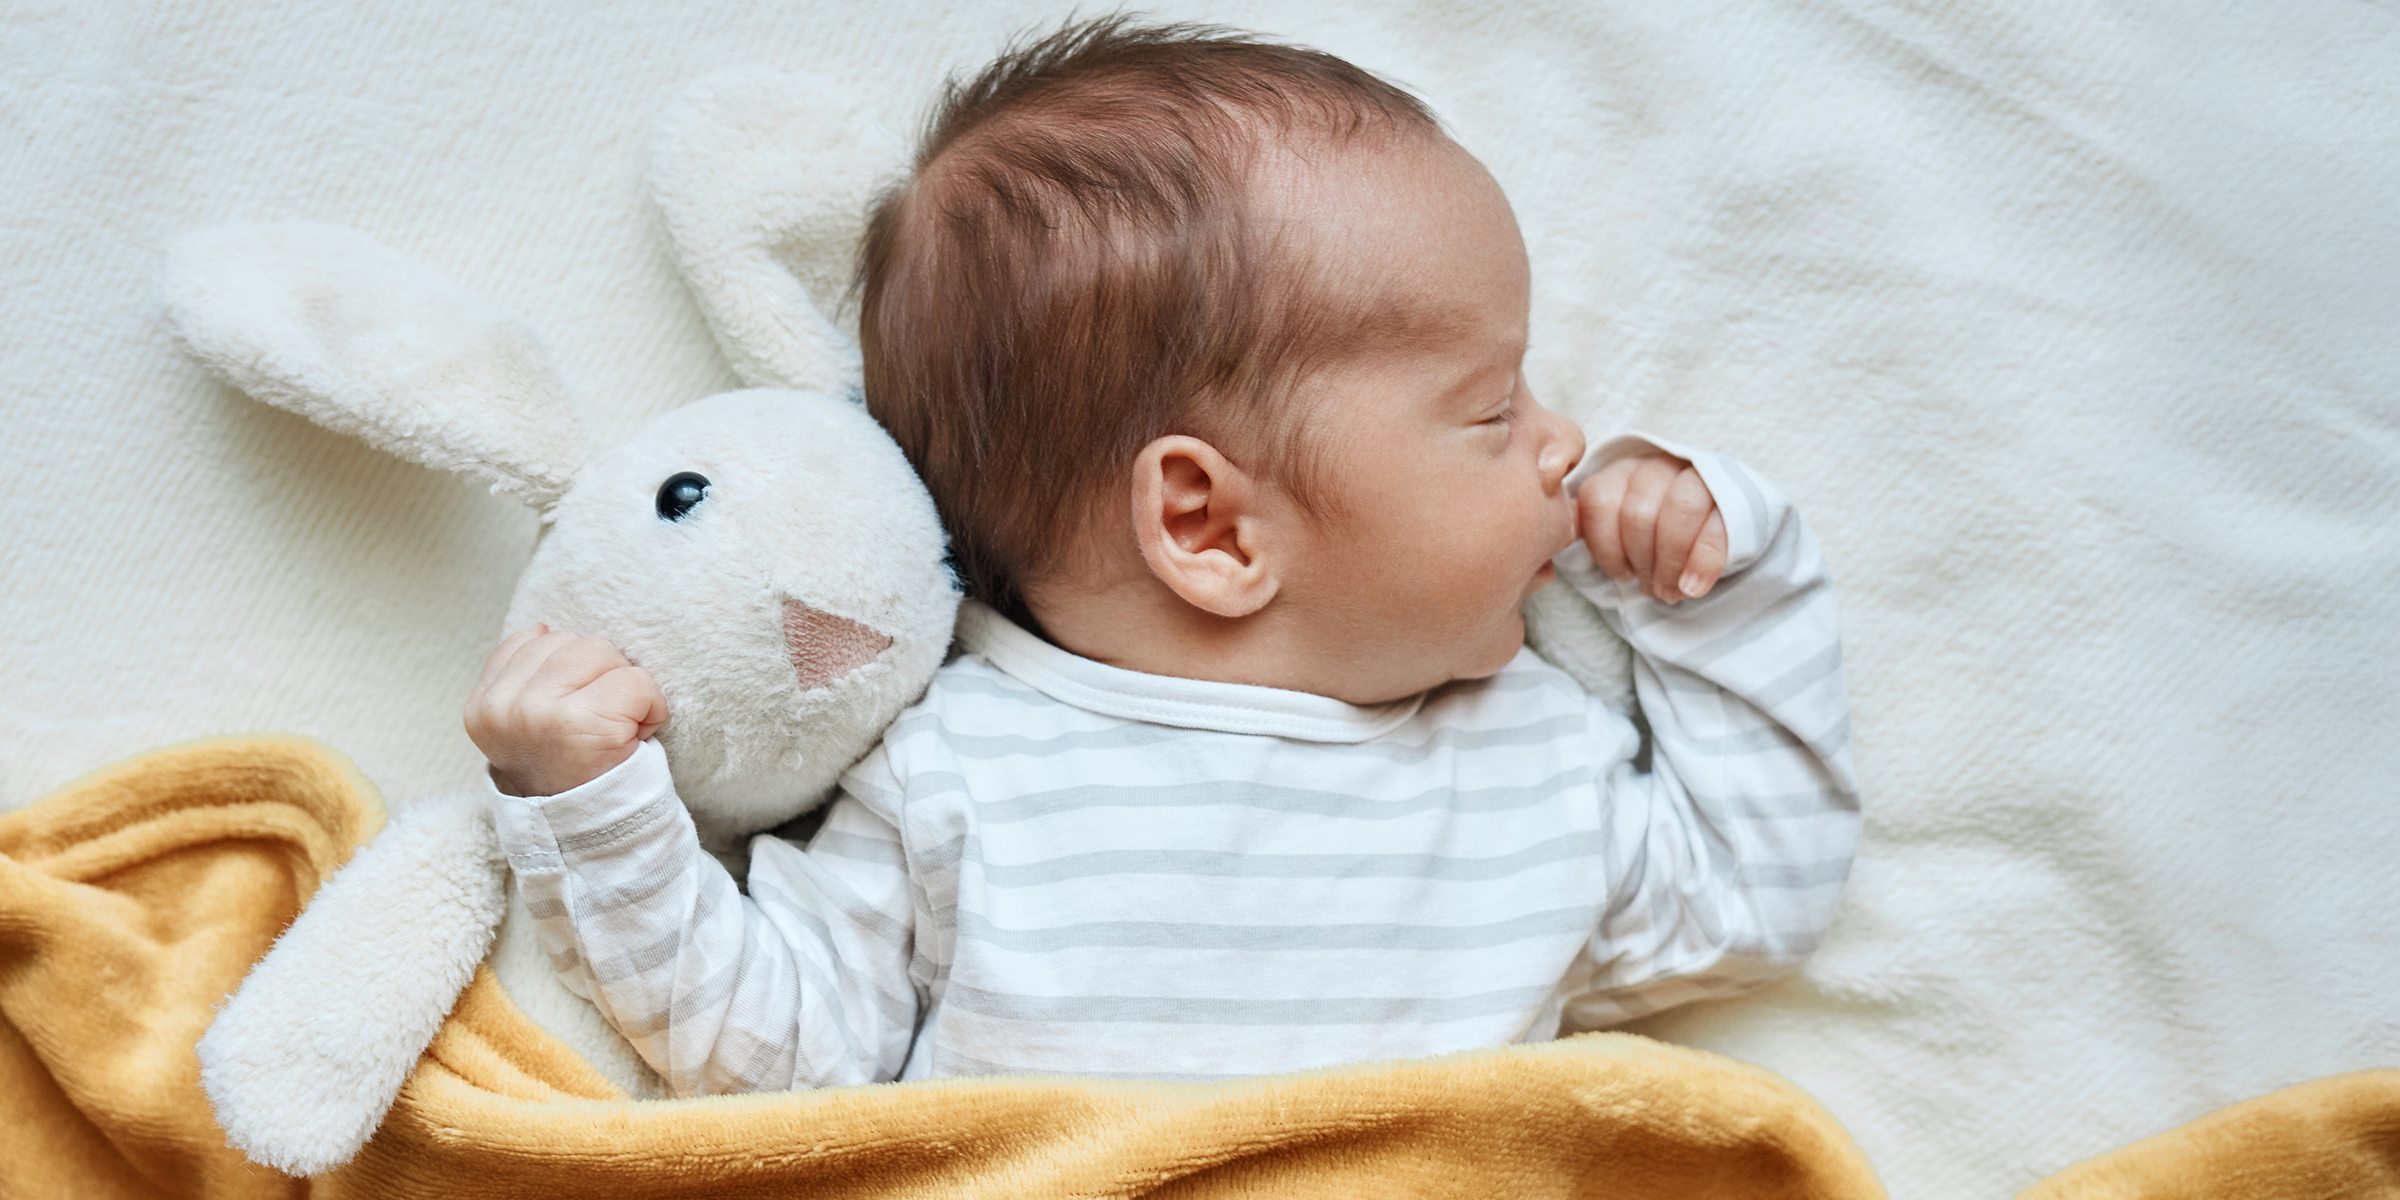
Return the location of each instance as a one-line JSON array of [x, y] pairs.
[[1541, 579]]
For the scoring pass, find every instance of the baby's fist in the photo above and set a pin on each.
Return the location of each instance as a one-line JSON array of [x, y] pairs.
[[555, 711], [1650, 518]]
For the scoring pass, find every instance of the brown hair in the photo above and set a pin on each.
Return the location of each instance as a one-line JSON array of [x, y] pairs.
[[1072, 272]]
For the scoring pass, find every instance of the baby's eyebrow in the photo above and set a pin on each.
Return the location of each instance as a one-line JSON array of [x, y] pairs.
[[1477, 387], [1508, 353]]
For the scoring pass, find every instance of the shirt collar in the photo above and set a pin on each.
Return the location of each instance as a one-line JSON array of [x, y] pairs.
[[1166, 699]]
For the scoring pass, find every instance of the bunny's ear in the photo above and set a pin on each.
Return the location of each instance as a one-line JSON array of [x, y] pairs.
[[764, 180], [329, 324]]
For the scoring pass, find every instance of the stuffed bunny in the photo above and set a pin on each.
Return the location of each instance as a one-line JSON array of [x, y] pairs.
[[768, 555]]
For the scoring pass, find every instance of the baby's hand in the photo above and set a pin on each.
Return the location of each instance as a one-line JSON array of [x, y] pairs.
[[1650, 518], [555, 711]]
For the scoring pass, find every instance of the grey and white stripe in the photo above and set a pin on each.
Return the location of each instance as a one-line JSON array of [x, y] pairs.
[[1055, 866]]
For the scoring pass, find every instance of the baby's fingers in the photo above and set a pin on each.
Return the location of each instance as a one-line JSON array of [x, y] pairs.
[[502, 673], [573, 664], [1596, 507], [628, 697], [1683, 512], [1637, 521], [1707, 561], [509, 646]]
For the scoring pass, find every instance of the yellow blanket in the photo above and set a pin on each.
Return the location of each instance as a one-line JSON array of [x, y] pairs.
[[133, 901]]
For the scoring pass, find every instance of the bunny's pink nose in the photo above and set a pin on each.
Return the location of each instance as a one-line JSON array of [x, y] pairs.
[[825, 647]]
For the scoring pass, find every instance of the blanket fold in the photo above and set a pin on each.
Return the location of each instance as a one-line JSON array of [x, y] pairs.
[[133, 901], [2338, 1136]]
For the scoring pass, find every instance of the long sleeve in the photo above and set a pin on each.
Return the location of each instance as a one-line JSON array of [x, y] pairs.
[[1727, 856], [802, 983]]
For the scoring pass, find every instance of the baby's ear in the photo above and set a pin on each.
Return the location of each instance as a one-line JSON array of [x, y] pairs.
[[764, 180], [327, 323]]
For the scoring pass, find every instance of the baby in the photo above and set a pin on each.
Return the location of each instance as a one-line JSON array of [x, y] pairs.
[[1209, 351]]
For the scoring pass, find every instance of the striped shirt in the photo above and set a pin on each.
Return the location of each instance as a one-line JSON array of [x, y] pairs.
[[1052, 865]]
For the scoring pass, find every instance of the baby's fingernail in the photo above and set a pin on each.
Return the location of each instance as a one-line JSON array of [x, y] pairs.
[[1691, 585]]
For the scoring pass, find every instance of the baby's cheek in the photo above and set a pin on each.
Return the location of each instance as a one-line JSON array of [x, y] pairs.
[[1491, 566], [1463, 554]]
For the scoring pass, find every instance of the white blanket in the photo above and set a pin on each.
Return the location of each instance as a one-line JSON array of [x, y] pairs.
[[2075, 330]]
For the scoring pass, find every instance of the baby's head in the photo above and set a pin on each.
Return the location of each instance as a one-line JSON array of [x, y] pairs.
[[1208, 350]]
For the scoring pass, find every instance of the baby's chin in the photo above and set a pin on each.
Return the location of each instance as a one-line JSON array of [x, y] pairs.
[[1506, 632], [1506, 638]]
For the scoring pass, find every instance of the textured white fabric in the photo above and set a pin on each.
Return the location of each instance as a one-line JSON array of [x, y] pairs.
[[2074, 328], [1054, 866]]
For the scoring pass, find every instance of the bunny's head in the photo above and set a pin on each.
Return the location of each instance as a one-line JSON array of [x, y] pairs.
[[768, 554], [772, 559]]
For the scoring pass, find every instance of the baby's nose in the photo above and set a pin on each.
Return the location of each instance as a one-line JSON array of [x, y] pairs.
[[1561, 450]]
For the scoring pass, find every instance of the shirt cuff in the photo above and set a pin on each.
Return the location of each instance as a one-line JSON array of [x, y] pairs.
[[539, 832]]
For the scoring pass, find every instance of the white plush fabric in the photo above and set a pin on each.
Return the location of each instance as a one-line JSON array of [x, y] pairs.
[[760, 175], [320, 321], [304, 1061], [2074, 329]]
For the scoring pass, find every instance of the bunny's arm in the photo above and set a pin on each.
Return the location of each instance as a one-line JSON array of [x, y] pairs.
[[802, 983], [304, 1060]]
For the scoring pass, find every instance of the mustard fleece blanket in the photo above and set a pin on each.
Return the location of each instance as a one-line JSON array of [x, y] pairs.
[[133, 901]]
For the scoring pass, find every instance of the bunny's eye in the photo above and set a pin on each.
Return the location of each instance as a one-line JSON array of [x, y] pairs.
[[679, 493]]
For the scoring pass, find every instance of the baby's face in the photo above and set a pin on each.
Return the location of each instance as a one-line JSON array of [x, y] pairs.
[[1443, 476]]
